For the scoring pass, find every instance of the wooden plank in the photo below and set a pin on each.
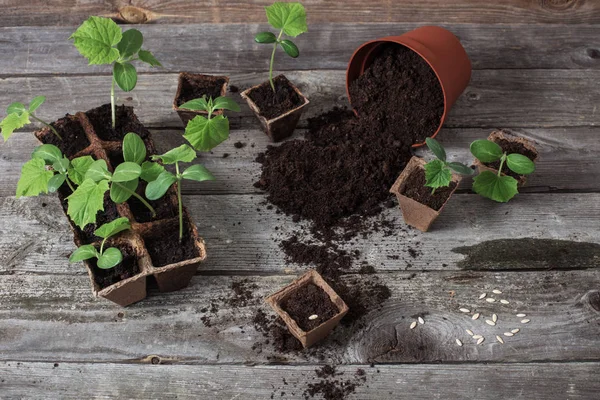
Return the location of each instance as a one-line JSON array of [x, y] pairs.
[[229, 48], [534, 381], [45, 13], [243, 236], [55, 319]]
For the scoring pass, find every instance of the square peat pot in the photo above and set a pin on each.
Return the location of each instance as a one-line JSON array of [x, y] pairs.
[[194, 86], [505, 139], [281, 126], [416, 214], [321, 331]]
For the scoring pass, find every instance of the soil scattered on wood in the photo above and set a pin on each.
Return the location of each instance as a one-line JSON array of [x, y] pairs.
[[415, 189], [309, 301], [273, 104], [194, 87], [332, 386]]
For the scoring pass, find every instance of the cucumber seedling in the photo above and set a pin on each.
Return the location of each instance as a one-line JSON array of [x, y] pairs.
[[106, 258], [102, 41], [438, 172], [157, 188], [289, 18], [497, 186], [205, 133], [17, 116]]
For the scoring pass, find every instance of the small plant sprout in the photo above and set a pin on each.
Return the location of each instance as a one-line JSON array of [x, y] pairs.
[[438, 172], [205, 133], [498, 187], [106, 258], [17, 116], [289, 18], [102, 41], [157, 188]]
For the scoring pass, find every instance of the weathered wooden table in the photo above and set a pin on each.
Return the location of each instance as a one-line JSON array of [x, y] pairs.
[[535, 72]]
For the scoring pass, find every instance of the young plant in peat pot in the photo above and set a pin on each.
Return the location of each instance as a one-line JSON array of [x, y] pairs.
[[309, 307], [196, 86], [423, 189], [277, 103]]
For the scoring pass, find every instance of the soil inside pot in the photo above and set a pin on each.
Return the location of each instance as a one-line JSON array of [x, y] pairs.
[[414, 187], [306, 301], [164, 207], [271, 103], [164, 246], [126, 269], [509, 147], [73, 136], [194, 87], [126, 122]]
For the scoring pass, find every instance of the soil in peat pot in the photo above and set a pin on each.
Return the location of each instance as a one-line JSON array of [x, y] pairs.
[[126, 121], [164, 207], [193, 87], [415, 189], [510, 147], [271, 103], [164, 246], [73, 136], [124, 270], [307, 301]]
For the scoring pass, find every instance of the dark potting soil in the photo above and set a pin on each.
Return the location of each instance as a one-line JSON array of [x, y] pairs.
[[509, 147], [165, 248], [332, 386], [309, 300], [126, 122], [164, 207], [73, 136], [415, 189], [196, 87], [126, 269], [275, 103]]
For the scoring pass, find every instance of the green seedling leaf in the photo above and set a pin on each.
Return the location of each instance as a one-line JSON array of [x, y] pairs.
[[119, 195], [134, 148], [183, 153], [95, 39], [112, 228], [36, 102], [130, 43], [196, 105], [125, 75], [110, 258], [520, 164], [149, 58], [151, 171], [486, 151], [56, 182], [47, 152], [225, 103], [205, 134], [61, 165], [498, 188], [16, 107], [85, 252], [265, 37], [290, 48], [78, 168], [157, 189], [198, 173], [460, 168], [436, 148], [126, 171], [291, 17], [98, 171], [86, 201], [437, 174], [12, 122], [34, 178]]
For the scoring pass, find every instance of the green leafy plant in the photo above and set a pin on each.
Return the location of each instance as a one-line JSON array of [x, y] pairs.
[[498, 187], [17, 116], [102, 41], [157, 188], [289, 18], [438, 172], [106, 258], [205, 133]]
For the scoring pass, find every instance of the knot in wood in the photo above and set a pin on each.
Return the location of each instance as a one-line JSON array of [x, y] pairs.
[[593, 299], [133, 15], [558, 5], [155, 360]]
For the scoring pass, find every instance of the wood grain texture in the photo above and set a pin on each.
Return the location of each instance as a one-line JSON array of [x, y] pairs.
[[562, 305], [49, 13], [229, 48], [532, 381]]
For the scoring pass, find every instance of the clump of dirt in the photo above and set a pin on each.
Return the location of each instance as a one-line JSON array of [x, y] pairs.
[[332, 386]]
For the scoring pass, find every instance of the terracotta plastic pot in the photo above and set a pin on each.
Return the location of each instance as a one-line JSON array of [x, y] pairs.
[[437, 46]]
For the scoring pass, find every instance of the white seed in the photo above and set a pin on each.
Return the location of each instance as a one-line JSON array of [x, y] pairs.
[[413, 325], [504, 301], [458, 342], [494, 318], [496, 291], [515, 330], [475, 316], [314, 316], [477, 337], [525, 321], [465, 310], [421, 320], [480, 340], [470, 332], [508, 334], [490, 299], [490, 322], [499, 339], [482, 296], [521, 315]]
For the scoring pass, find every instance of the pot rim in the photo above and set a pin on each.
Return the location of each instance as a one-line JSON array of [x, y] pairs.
[[180, 88]]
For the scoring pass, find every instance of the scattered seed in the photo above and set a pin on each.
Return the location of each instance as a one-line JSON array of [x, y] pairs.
[[465, 310], [521, 315], [494, 318], [477, 336], [490, 322], [499, 339], [314, 316], [458, 342], [515, 330], [480, 340], [470, 332], [413, 325], [490, 299], [421, 320], [482, 296], [504, 301], [496, 291], [508, 334], [525, 321], [475, 316]]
